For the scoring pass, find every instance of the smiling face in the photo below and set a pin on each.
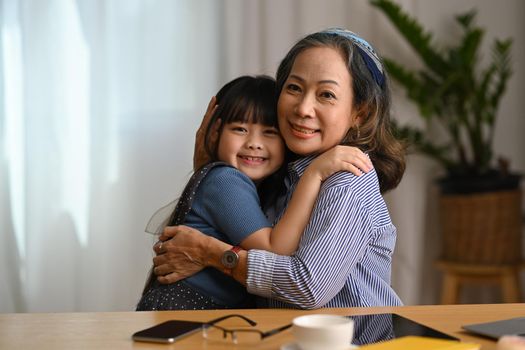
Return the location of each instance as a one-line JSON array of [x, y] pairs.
[[315, 104], [255, 149]]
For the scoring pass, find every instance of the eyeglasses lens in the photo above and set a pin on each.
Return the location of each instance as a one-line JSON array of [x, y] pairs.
[[238, 336]]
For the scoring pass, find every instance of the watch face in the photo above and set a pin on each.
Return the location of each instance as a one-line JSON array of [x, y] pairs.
[[229, 259]]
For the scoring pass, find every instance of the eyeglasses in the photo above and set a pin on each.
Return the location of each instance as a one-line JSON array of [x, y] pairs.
[[211, 331]]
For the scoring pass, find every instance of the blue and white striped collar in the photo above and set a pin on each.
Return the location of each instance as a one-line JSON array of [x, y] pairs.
[[298, 166]]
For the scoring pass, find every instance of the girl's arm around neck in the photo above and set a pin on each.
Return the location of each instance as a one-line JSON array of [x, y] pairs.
[[284, 238]]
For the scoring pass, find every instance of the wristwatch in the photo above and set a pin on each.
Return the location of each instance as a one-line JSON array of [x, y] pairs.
[[230, 258]]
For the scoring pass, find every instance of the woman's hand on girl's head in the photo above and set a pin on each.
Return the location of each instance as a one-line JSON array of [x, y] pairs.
[[200, 156], [340, 158]]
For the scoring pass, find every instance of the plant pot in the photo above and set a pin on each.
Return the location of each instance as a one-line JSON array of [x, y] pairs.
[[492, 181], [482, 228]]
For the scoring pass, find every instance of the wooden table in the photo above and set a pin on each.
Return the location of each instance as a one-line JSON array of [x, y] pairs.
[[112, 330]]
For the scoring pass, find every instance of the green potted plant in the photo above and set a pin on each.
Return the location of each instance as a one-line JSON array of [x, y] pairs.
[[456, 94]]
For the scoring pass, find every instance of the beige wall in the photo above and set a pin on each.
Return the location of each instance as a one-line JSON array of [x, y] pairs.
[[413, 204]]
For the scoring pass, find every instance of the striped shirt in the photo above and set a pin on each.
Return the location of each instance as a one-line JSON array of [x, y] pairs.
[[344, 256]]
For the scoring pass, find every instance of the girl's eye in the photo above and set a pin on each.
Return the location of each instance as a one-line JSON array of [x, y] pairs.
[[238, 128], [271, 131]]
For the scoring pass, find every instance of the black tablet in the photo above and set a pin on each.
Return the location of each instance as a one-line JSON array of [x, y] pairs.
[[379, 327], [496, 329]]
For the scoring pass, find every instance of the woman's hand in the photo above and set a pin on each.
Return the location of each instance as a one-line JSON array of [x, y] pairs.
[[184, 251], [181, 253], [340, 158], [200, 156]]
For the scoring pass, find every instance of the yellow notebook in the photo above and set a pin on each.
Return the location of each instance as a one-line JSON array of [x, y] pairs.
[[420, 343]]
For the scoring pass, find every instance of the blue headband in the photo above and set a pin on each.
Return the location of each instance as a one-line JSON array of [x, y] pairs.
[[366, 51]]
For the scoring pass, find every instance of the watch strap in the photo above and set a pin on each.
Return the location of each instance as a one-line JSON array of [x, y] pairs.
[[236, 249]]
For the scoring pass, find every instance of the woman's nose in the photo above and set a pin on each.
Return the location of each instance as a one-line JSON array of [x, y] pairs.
[[305, 107]]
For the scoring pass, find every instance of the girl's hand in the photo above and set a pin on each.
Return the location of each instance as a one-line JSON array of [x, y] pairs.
[[340, 158], [200, 156]]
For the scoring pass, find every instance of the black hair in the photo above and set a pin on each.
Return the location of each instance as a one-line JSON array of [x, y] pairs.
[[248, 99], [245, 99]]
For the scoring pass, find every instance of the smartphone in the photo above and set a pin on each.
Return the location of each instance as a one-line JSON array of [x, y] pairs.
[[167, 332]]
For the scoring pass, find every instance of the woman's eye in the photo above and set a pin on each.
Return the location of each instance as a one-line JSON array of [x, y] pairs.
[[327, 95], [293, 87]]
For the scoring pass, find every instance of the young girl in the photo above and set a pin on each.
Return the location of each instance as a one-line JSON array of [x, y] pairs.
[[222, 199]]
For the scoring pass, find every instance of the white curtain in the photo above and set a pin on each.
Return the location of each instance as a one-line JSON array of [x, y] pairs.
[[99, 102]]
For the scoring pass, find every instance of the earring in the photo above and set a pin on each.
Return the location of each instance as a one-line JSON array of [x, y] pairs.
[[357, 132]]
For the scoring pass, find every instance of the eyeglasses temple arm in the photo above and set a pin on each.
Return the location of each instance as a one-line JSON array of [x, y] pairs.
[[276, 330]]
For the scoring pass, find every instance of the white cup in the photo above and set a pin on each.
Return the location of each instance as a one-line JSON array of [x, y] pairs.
[[323, 332]]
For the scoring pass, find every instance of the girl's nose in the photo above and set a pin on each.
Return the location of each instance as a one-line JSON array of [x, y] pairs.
[[254, 142], [254, 145]]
